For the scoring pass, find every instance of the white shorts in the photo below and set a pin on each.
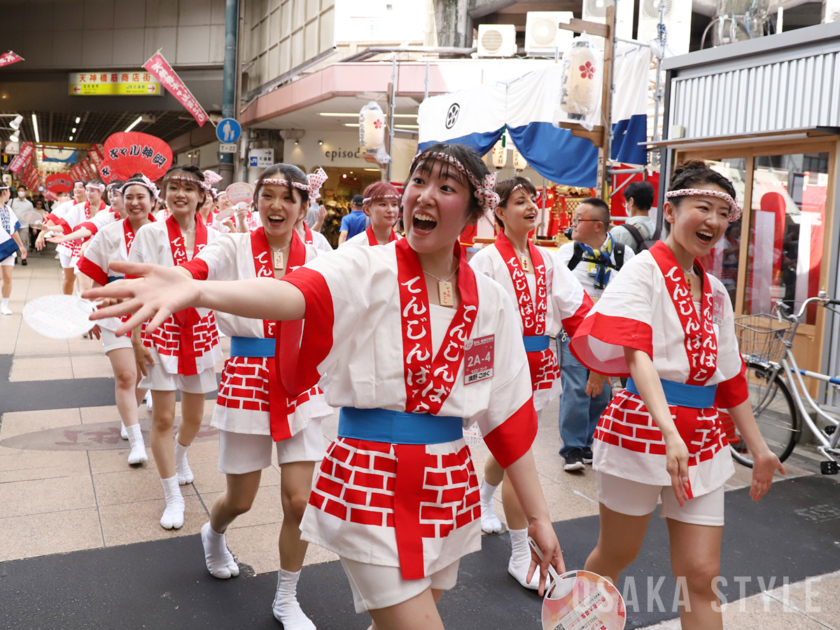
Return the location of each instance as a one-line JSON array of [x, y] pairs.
[[9, 261], [110, 341], [375, 586], [241, 453], [65, 259], [640, 499], [158, 379]]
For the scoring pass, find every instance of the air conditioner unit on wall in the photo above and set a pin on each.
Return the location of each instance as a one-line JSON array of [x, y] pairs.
[[831, 11], [596, 11], [496, 40], [542, 34], [677, 23]]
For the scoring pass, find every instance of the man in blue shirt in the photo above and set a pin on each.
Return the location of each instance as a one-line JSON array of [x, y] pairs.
[[355, 222]]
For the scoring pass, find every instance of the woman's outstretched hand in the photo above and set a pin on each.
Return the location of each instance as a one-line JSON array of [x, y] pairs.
[[157, 293]]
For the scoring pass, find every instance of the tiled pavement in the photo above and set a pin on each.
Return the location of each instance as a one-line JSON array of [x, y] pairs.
[[65, 486]]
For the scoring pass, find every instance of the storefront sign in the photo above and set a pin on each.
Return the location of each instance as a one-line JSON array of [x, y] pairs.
[[110, 83], [260, 158], [161, 69], [12, 148]]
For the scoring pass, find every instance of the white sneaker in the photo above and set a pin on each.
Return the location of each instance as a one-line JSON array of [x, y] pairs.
[[5, 311]]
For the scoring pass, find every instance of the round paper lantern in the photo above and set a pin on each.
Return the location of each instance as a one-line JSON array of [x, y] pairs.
[[519, 162], [499, 157], [582, 80], [372, 128]]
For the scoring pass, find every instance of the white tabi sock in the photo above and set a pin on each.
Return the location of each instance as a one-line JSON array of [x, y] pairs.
[[520, 559], [217, 556], [286, 608], [123, 431], [490, 523], [138, 447], [173, 515], [4, 306], [182, 467]]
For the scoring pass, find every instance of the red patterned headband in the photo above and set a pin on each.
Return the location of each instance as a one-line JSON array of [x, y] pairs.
[[316, 180], [485, 191], [734, 207], [145, 182]]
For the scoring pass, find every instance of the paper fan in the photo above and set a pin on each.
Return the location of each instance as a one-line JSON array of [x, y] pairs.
[[59, 183], [106, 171], [131, 152]]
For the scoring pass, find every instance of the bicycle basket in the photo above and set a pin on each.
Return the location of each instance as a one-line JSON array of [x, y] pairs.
[[761, 337]]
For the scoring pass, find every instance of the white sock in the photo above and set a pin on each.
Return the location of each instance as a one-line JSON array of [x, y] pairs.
[[217, 556], [4, 304], [490, 523], [286, 608], [138, 447], [520, 559], [123, 431], [182, 467], [173, 515]]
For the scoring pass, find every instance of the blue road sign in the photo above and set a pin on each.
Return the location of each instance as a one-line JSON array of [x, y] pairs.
[[228, 131]]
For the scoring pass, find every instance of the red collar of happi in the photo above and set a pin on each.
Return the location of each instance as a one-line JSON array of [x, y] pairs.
[[372, 240], [429, 379], [533, 315], [699, 332]]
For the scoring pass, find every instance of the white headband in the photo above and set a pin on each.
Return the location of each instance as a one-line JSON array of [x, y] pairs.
[[147, 183], [367, 199], [734, 207], [485, 191], [99, 187], [315, 181]]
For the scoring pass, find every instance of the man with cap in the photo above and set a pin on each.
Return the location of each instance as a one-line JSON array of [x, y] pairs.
[[355, 222]]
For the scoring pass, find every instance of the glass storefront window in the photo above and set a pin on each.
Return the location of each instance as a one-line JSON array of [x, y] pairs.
[[787, 231], [723, 260]]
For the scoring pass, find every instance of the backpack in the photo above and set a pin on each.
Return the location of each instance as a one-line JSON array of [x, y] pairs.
[[618, 254], [641, 243]]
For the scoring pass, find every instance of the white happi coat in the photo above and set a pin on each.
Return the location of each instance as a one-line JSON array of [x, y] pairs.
[[243, 404], [8, 246], [636, 311], [566, 306], [73, 220], [353, 338], [151, 245]]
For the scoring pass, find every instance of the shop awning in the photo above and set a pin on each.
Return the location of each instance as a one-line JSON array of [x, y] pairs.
[[740, 138]]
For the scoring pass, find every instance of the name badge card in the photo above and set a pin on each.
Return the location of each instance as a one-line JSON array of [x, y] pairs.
[[478, 359], [717, 307]]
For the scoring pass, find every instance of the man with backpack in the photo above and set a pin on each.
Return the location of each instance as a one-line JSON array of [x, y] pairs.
[[639, 229], [594, 257]]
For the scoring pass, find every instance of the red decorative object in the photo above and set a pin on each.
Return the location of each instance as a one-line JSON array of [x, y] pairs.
[[59, 183], [132, 152], [106, 171], [23, 159], [7, 59], [168, 78], [587, 70]]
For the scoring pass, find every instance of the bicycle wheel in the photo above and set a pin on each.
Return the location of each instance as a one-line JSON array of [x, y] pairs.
[[774, 411]]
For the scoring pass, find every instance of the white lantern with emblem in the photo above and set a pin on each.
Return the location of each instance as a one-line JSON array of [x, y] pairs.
[[499, 156], [519, 162], [582, 82], [372, 132]]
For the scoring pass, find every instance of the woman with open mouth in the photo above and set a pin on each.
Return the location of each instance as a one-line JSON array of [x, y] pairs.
[[668, 325], [414, 346], [253, 413], [132, 200], [382, 205], [181, 354], [548, 297]]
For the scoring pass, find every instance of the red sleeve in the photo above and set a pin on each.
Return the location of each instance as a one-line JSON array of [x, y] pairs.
[[298, 356], [89, 226], [92, 271], [616, 331], [572, 323], [733, 392], [511, 440], [62, 224], [198, 268]]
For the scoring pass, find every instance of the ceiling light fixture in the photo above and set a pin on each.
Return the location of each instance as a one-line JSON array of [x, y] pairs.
[[74, 130], [78, 120], [135, 123], [15, 136], [71, 138], [15, 124], [35, 126]]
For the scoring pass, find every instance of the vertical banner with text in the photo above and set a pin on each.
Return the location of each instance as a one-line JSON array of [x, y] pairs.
[[168, 78], [7, 59]]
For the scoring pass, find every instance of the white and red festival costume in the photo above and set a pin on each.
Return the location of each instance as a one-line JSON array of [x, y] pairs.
[[369, 238], [549, 299], [72, 221], [693, 347], [397, 487], [316, 239]]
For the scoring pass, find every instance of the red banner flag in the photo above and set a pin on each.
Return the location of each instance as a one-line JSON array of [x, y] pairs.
[[163, 72], [23, 158], [9, 58]]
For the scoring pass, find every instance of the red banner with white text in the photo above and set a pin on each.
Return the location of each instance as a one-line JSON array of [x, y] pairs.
[[163, 72], [7, 59]]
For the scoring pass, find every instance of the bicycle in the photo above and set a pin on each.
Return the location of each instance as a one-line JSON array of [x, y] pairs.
[[777, 387]]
